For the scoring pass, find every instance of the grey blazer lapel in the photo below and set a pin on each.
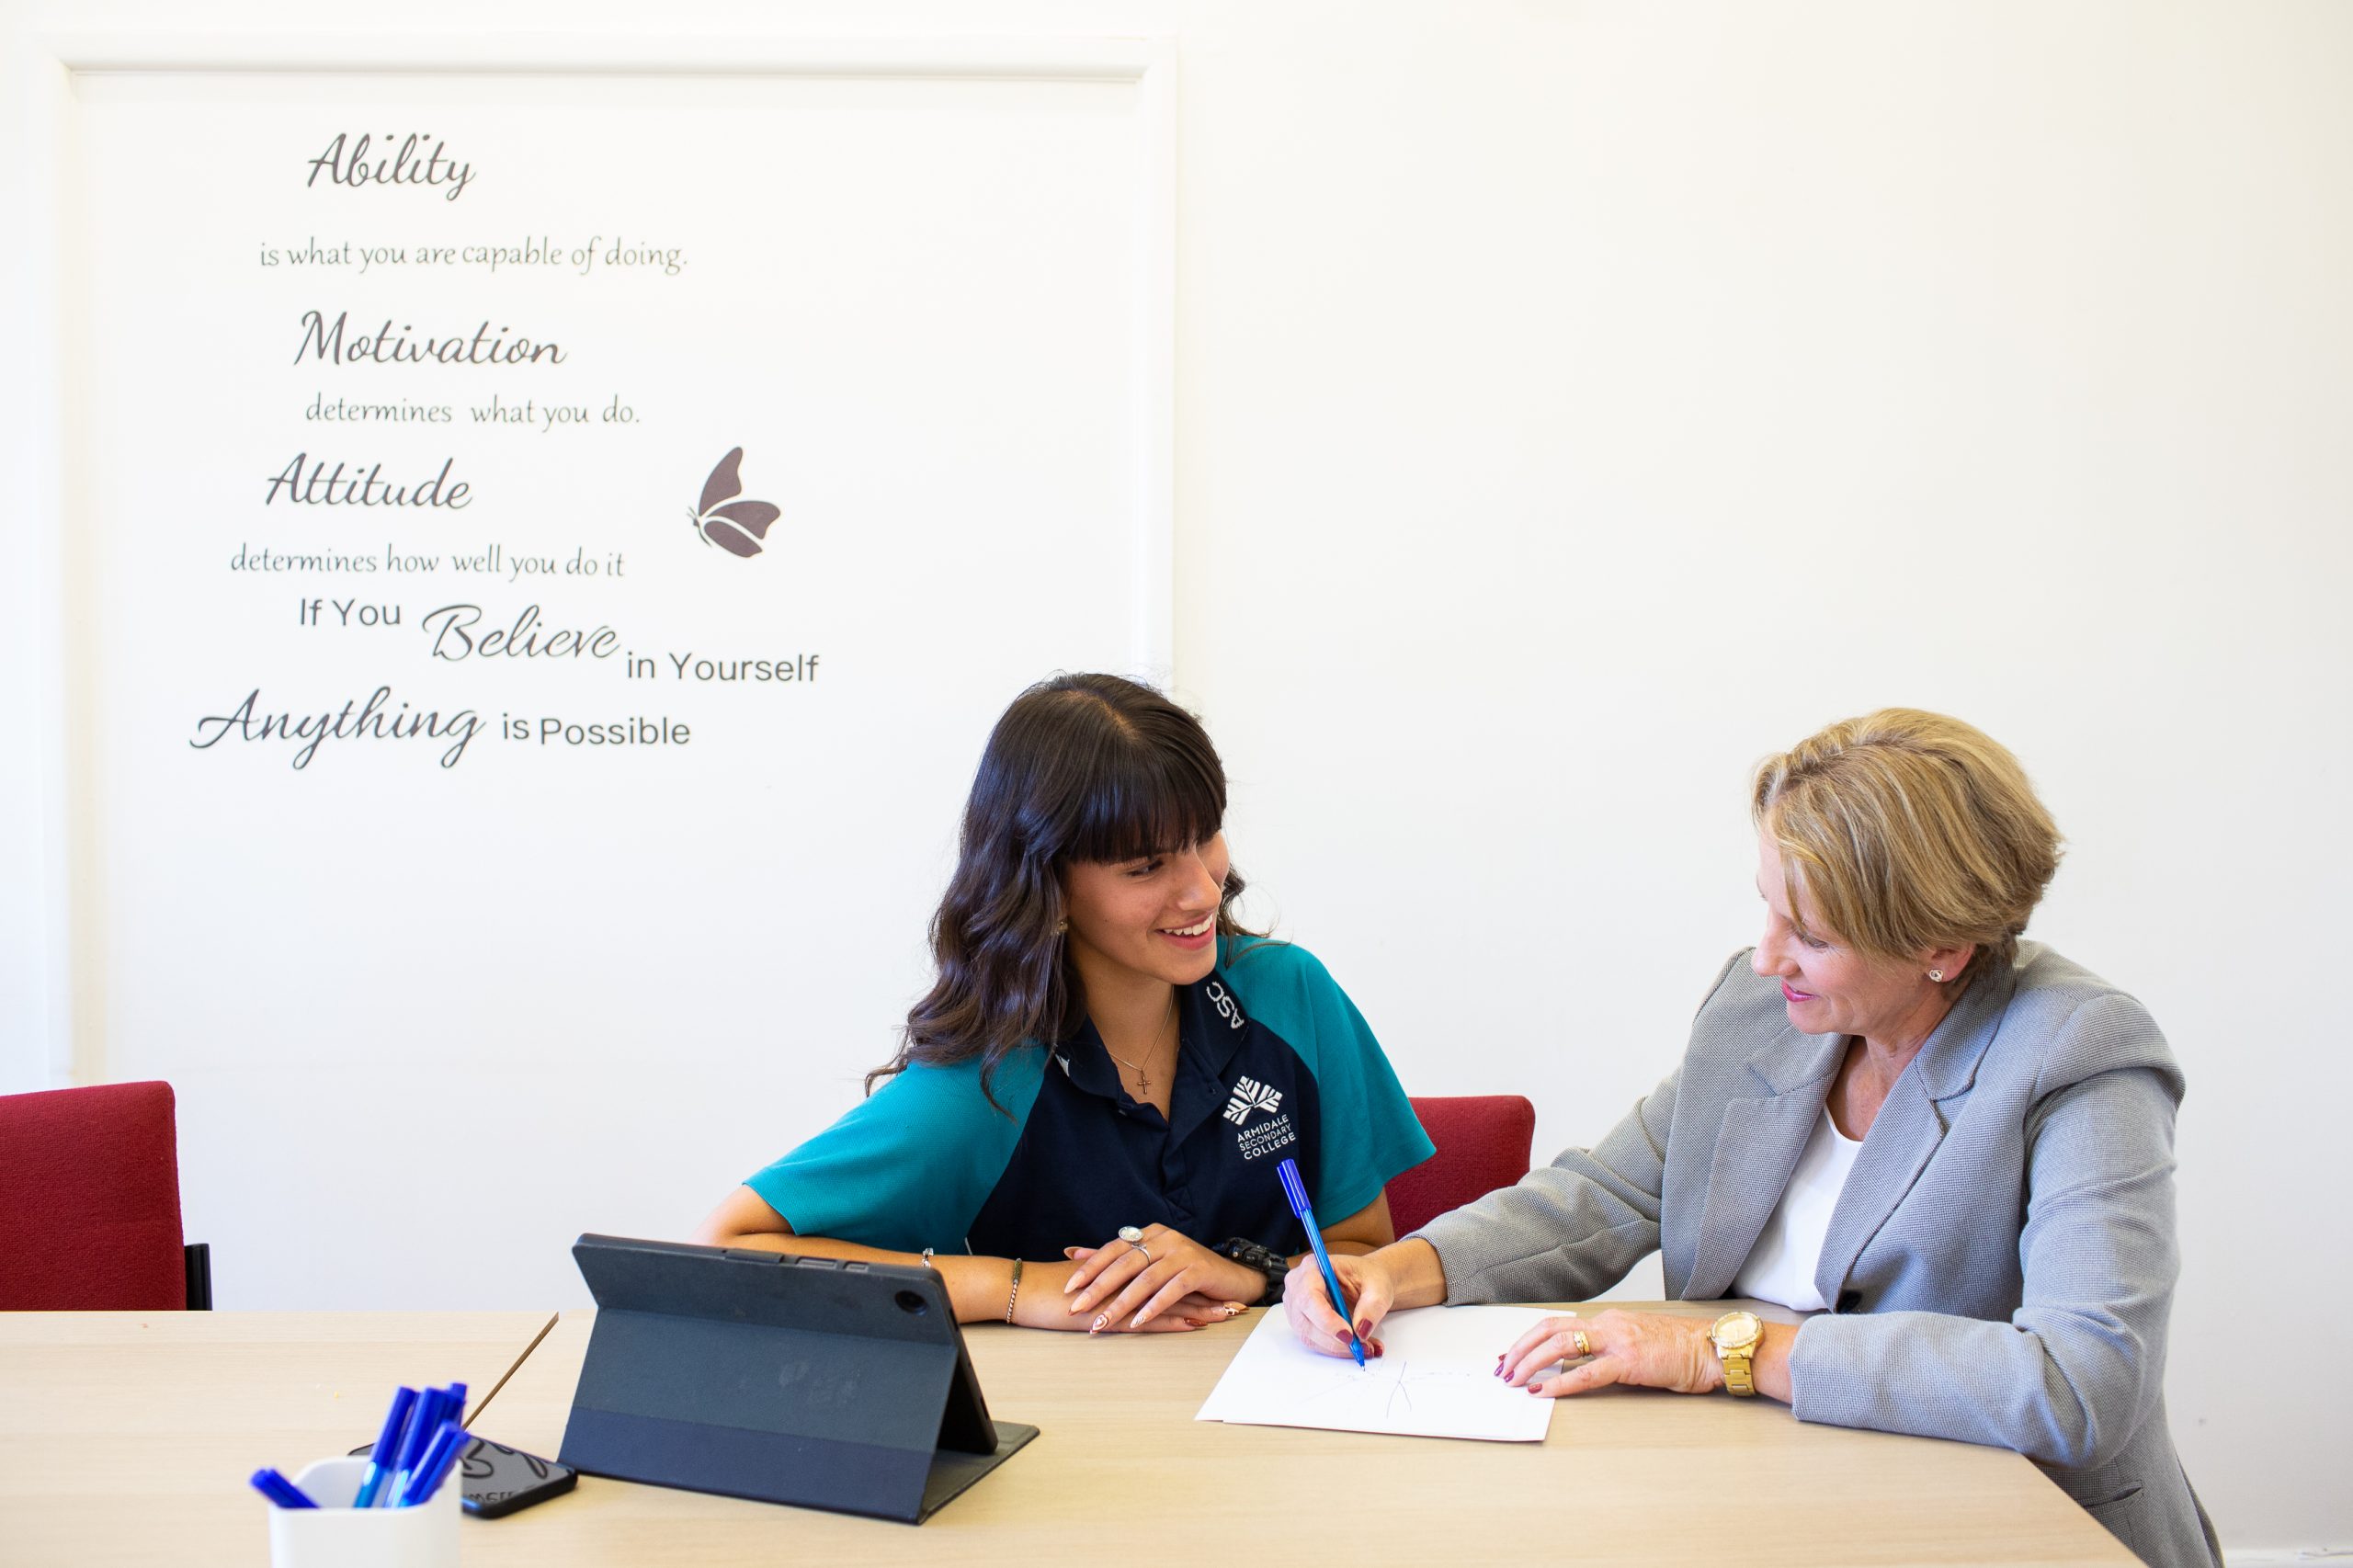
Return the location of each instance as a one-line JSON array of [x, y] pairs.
[[1904, 1135], [1758, 1145]]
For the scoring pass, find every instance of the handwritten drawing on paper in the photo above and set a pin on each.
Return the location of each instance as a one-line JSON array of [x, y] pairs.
[[1437, 1381]]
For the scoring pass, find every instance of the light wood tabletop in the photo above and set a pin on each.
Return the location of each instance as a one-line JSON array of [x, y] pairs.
[[126, 1438], [1121, 1466]]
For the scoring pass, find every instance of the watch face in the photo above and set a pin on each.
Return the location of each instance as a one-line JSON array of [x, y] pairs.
[[1733, 1331]]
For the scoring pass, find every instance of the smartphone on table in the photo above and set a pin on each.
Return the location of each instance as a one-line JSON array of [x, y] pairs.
[[498, 1480]]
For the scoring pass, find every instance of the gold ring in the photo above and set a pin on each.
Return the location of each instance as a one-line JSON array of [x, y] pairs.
[[1583, 1348]]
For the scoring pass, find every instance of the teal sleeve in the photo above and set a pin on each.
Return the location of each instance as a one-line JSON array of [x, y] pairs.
[[1368, 1133], [911, 1165]]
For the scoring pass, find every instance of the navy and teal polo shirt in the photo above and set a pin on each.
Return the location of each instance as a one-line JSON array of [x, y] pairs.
[[1274, 1062]]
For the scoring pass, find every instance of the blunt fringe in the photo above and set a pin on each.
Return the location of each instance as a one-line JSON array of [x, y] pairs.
[[1911, 831], [1081, 769]]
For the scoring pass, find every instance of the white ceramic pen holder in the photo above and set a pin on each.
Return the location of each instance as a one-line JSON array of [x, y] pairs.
[[337, 1535]]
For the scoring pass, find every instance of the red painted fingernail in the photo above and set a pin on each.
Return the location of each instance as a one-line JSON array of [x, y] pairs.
[[1364, 1328]]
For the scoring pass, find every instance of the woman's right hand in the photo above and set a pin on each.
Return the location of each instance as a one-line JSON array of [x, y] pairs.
[[1315, 1318]]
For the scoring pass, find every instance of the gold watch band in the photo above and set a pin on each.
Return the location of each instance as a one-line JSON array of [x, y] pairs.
[[1736, 1336]]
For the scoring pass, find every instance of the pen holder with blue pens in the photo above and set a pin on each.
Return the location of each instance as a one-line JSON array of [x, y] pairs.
[[387, 1509], [337, 1535]]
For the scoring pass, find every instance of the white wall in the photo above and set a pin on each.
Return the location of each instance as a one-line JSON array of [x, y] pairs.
[[1575, 402]]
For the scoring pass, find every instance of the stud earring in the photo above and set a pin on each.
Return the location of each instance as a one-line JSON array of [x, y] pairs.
[[1061, 926], [1937, 975]]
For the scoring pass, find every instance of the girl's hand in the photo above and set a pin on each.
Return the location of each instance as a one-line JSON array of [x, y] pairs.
[[1317, 1322], [1042, 1304], [1658, 1351], [1117, 1286]]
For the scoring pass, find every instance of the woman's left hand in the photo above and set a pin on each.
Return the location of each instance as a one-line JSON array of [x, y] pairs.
[[1658, 1351], [1125, 1289]]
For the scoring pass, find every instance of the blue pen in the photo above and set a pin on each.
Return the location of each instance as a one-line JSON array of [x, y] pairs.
[[450, 1404], [1289, 1172], [423, 1420], [434, 1468], [280, 1490], [383, 1458]]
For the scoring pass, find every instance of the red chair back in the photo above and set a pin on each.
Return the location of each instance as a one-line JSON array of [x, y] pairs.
[[90, 1200], [1483, 1142]]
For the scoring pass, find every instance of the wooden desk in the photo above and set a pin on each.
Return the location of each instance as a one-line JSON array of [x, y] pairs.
[[1122, 1469], [126, 1438]]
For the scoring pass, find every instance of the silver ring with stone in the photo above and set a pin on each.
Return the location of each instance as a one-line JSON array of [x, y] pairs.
[[1134, 1238]]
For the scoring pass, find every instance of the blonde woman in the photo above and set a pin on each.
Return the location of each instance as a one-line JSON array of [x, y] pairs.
[[1953, 1149]]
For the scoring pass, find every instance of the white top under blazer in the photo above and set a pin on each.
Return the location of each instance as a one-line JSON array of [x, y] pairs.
[[1781, 1265]]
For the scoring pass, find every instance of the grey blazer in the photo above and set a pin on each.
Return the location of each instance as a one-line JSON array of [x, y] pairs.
[[2001, 1261]]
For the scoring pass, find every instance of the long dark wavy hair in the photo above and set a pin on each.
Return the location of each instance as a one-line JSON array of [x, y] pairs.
[[1081, 768]]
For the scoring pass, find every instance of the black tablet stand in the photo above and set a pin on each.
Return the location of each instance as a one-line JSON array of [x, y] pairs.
[[809, 1381]]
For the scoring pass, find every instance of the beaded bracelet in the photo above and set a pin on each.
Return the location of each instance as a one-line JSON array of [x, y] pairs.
[[1015, 1294]]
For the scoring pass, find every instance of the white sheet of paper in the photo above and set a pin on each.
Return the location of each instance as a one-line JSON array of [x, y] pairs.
[[1436, 1380]]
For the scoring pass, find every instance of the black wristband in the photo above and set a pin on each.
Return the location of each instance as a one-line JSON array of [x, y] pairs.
[[1265, 1260]]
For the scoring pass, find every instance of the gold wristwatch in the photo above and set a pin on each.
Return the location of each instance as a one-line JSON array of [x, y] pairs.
[[1736, 1335]]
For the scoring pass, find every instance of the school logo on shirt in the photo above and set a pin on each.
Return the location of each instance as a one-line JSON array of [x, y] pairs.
[[1250, 1094], [1275, 1133]]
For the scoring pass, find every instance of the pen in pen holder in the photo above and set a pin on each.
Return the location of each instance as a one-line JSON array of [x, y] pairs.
[[337, 1535]]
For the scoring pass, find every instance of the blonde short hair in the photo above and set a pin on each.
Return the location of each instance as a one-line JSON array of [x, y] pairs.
[[1911, 831]]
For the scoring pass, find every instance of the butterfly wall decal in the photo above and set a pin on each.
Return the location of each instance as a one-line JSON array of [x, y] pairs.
[[722, 520]]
